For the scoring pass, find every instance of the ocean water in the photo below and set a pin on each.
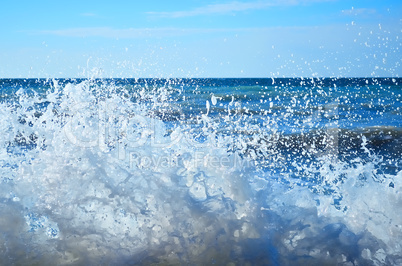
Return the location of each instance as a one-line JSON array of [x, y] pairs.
[[201, 172]]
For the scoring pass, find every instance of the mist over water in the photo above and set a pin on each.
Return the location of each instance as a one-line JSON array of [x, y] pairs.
[[201, 171]]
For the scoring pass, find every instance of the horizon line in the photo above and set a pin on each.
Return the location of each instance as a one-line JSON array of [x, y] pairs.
[[189, 78]]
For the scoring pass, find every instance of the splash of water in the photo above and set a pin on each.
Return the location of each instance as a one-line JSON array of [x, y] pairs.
[[105, 172]]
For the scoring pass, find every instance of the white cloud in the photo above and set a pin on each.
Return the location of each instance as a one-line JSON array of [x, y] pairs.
[[88, 14], [133, 33], [108, 32], [214, 9], [232, 7]]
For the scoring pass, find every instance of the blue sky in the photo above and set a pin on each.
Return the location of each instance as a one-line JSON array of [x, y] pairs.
[[201, 38]]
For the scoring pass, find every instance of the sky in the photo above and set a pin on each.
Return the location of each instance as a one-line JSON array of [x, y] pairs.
[[200, 38]]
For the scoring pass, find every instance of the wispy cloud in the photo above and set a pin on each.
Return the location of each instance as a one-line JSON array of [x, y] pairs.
[[88, 14], [108, 32], [359, 11], [214, 9], [232, 7], [133, 33]]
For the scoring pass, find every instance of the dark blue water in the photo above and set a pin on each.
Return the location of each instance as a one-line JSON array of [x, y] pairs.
[[201, 171]]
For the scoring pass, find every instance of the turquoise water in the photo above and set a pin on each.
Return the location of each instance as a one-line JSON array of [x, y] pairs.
[[201, 171]]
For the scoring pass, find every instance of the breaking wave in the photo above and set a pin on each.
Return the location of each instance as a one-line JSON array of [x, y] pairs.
[[200, 172]]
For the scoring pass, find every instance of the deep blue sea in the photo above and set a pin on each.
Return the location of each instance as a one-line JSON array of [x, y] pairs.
[[201, 171]]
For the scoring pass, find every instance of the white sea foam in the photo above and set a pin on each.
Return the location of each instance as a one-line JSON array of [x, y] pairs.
[[95, 177]]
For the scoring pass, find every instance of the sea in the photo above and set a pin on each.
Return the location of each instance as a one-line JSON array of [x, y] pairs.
[[249, 171]]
